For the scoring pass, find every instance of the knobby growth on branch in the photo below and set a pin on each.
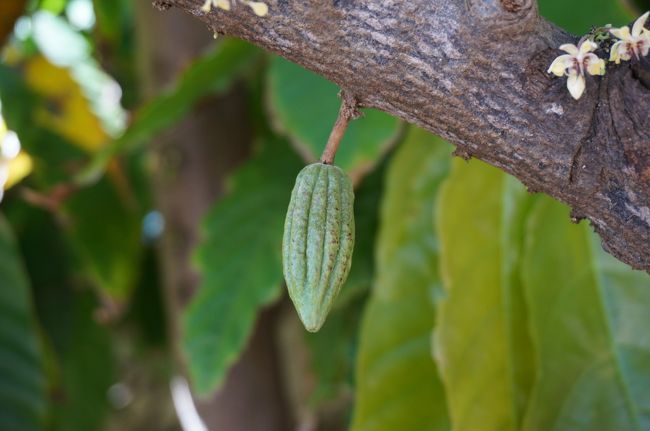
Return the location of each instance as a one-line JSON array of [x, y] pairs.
[[475, 73]]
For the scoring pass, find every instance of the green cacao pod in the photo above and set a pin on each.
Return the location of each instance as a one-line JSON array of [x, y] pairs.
[[318, 241]]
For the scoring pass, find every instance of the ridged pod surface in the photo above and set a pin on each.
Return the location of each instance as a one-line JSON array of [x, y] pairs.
[[318, 241]]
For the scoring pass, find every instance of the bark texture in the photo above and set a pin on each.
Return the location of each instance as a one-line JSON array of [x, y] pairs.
[[474, 72]]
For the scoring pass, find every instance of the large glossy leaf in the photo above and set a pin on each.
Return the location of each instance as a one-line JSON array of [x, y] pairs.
[[589, 316], [22, 382], [213, 73], [397, 383], [482, 347], [240, 263], [305, 106]]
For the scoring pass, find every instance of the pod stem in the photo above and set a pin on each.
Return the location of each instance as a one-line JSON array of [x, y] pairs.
[[347, 113]]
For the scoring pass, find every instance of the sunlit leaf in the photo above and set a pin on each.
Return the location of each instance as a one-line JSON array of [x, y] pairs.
[[398, 387], [589, 316], [54, 6], [56, 126], [22, 382], [482, 346], [579, 16], [51, 153], [67, 111], [73, 72], [57, 40], [240, 263], [305, 106], [19, 166]]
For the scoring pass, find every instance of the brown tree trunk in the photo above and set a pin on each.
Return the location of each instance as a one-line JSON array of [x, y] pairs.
[[474, 72], [190, 164]]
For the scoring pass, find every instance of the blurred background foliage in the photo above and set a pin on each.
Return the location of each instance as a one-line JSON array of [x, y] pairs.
[[471, 304]]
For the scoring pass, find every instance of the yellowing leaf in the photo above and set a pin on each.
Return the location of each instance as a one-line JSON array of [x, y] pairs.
[[68, 112], [398, 387], [19, 168], [589, 318], [210, 74], [482, 346]]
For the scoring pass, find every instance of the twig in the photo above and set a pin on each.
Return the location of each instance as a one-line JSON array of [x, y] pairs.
[[347, 113], [51, 200]]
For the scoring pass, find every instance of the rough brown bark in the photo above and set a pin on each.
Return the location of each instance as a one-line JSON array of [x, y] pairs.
[[474, 72]]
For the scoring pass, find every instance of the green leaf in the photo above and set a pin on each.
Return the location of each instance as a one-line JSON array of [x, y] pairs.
[[589, 316], [305, 106], [63, 45], [105, 233], [86, 370], [108, 248], [21, 111], [147, 313], [115, 33], [240, 262], [104, 219], [334, 347], [113, 18], [578, 16], [333, 352], [397, 383], [79, 357], [210, 74], [54, 6], [482, 347], [22, 382]]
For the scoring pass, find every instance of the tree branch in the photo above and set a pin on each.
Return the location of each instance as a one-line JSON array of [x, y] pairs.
[[347, 113], [474, 72]]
